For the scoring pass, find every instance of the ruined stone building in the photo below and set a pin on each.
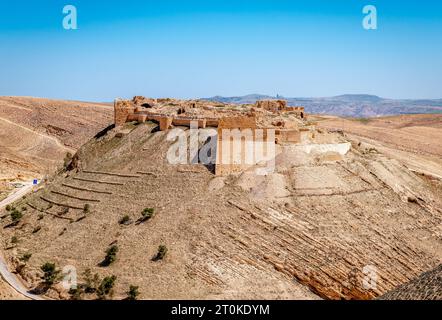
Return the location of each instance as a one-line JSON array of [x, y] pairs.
[[252, 124]]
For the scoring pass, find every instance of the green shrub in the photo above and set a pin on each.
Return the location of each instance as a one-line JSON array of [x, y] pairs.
[[146, 214], [16, 215], [26, 257], [51, 273], [67, 160], [106, 286], [111, 256], [162, 250], [76, 293], [87, 208], [124, 220], [133, 293], [8, 207], [14, 240], [91, 281]]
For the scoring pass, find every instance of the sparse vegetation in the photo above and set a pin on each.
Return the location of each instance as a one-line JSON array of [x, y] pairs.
[[76, 293], [87, 208], [8, 207], [133, 293], [67, 160], [51, 273], [25, 257], [16, 215], [111, 256], [162, 250], [124, 220], [91, 281], [146, 214], [363, 120], [14, 240], [106, 287]]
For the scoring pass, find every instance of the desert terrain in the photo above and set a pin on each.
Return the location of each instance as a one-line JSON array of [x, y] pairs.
[[415, 140], [306, 231], [36, 134]]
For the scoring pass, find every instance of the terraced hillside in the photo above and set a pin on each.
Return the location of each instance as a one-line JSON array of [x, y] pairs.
[[309, 230]]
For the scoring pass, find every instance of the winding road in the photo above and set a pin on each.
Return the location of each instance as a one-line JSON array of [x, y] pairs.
[[8, 276]]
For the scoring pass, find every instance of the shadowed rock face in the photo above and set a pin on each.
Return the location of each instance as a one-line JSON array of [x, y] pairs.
[[427, 286]]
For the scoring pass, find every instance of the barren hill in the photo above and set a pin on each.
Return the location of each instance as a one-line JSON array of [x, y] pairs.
[[36, 133], [311, 229], [350, 105], [415, 140]]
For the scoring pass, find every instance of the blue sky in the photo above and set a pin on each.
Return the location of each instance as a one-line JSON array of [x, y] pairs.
[[308, 48]]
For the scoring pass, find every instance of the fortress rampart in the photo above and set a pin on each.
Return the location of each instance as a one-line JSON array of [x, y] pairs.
[[247, 134]]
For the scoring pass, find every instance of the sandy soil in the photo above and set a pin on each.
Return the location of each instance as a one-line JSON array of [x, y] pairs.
[[415, 140], [36, 134], [307, 231]]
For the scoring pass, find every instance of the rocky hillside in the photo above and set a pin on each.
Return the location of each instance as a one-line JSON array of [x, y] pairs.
[[312, 229], [36, 133], [428, 286]]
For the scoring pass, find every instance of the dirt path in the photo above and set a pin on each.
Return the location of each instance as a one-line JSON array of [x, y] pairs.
[[14, 282], [55, 140], [8, 276], [17, 194]]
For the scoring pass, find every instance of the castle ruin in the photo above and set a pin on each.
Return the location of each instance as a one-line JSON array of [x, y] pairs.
[[259, 122]]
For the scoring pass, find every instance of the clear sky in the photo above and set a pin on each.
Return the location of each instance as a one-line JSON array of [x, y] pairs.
[[166, 48]]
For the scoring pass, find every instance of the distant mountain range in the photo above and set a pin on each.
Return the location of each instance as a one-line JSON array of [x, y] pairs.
[[351, 105]]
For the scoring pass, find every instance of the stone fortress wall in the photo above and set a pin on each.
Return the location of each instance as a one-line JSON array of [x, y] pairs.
[[243, 130]]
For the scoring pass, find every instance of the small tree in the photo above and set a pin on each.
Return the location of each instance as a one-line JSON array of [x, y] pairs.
[[87, 208], [51, 273], [111, 256], [76, 293], [162, 250], [16, 215], [67, 160], [106, 287], [133, 293], [124, 220], [146, 214], [25, 257], [8, 207], [91, 281]]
